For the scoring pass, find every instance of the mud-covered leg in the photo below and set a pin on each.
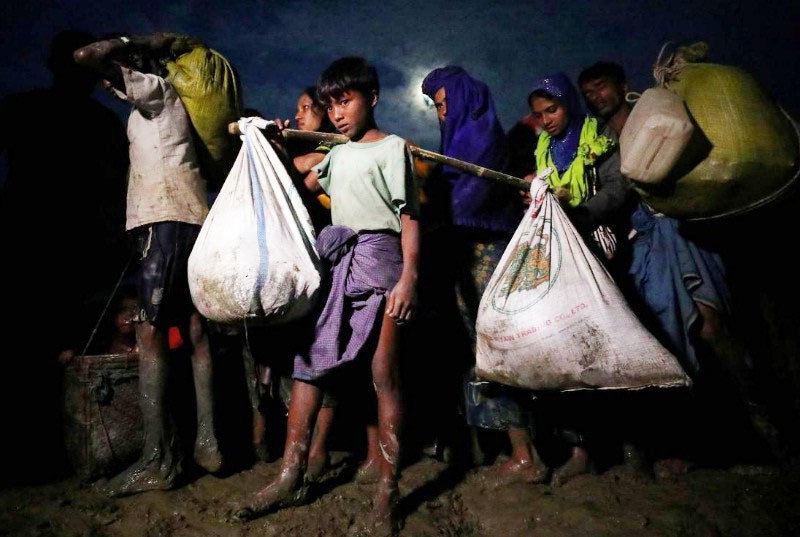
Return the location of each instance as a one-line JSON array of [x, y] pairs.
[[289, 488], [524, 464], [260, 449], [578, 464], [737, 364], [383, 519], [318, 458], [159, 465], [370, 469], [206, 447]]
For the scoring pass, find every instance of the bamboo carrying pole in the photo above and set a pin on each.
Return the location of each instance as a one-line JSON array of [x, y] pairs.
[[331, 138]]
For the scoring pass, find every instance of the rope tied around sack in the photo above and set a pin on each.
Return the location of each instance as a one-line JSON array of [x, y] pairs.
[[667, 68], [632, 96]]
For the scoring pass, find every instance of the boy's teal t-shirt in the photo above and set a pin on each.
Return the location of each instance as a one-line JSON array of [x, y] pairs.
[[370, 184]]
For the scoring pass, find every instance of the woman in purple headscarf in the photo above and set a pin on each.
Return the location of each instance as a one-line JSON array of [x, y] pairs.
[[483, 216], [471, 131], [579, 155]]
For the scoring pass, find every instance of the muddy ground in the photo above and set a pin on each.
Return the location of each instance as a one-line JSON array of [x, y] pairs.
[[727, 494], [437, 500]]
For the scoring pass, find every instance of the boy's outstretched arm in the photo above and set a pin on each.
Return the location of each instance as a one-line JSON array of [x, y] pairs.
[[402, 302]]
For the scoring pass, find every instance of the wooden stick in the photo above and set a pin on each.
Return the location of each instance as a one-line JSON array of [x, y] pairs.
[[474, 169], [468, 167]]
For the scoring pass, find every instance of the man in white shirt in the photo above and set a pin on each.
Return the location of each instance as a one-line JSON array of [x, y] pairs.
[[166, 206]]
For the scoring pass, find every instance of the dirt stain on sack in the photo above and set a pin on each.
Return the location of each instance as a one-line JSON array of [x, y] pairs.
[[591, 344]]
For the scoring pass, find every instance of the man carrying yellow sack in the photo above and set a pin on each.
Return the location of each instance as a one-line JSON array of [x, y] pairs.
[[166, 207]]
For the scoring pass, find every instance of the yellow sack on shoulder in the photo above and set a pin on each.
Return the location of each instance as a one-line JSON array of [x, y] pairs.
[[744, 152], [210, 91]]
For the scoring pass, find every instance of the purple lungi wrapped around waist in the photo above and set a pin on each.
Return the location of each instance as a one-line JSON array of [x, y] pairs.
[[364, 268]]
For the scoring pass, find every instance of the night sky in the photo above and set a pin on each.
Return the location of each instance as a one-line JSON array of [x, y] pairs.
[[280, 47]]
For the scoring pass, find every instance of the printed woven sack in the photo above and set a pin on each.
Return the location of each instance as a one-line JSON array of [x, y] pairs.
[[552, 318], [210, 92], [255, 258]]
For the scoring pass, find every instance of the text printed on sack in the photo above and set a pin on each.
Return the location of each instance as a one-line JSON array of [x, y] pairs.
[[547, 323]]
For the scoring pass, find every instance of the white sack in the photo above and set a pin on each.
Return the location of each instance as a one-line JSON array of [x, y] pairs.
[[255, 256], [552, 318]]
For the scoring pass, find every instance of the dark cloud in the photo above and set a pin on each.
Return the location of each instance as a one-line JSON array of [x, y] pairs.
[[279, 47]]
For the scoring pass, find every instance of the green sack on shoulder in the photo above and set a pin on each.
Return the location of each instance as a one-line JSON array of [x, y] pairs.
[[209, 89], [744, 151]]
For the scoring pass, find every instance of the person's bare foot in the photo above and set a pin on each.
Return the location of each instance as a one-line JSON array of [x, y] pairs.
[[150, 473], [261, 449], [517, 471], [374, 525], [578, 464], [369, 471], [261, 452], [207, 453], [668, 468], [636, 460], [286, 491], [383, 520], [317, 464], [768, 432]]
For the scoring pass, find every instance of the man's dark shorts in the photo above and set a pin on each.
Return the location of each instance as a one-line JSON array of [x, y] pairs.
[[164, 296]]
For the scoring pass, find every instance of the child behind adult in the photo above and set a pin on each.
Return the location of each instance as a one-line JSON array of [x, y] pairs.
[[372, 248], [311, 116], [116, 333], [299, 157]]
